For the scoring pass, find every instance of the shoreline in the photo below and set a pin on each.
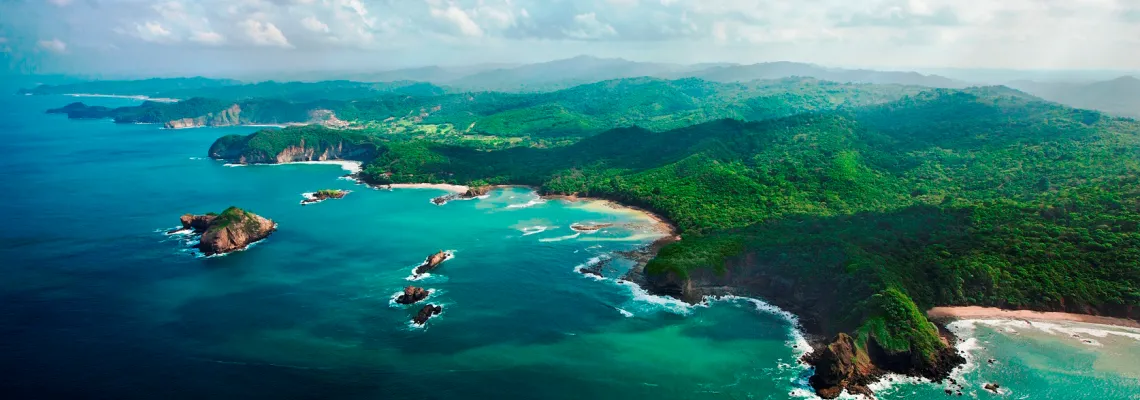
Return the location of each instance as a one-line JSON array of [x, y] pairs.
[[660, 224], [125, 96], [441, 186], [977, 312], [353, 167]]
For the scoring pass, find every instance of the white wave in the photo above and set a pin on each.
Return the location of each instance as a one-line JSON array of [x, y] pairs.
[[412, 325], [560, 238], [627, 314], [531, 230], [1076, 330], [247, 247], [665, 303], [534, 202], [197, 158]]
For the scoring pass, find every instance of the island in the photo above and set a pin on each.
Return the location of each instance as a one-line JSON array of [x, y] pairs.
[[232, 230], [324, 194], [589, 227]]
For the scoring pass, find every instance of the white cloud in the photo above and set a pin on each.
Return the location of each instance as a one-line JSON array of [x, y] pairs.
[[459, 19], [313, 24], [154, 32], [53, 45], [587, 26], [207, 37], [264, 33], [60, 3]]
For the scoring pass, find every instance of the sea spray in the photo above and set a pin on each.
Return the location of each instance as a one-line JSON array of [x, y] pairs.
[[560, 238]]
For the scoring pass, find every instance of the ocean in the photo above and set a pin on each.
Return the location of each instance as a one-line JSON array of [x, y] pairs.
[[99, 302]]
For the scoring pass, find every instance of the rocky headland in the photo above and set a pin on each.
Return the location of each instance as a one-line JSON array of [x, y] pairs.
[[232, 230], [294, 144]]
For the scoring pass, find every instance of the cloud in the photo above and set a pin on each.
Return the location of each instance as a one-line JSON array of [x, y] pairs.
[[154, 32], [587, 26], [1029, 33], [264, 33], [53, 45], [458, 19], [208, 38], [313, 24]]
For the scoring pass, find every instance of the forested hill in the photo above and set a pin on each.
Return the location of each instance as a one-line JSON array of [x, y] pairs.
[[858, 219], [503, 119]]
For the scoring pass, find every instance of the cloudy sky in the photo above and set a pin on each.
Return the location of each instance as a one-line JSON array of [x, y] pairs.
[[223, 36]]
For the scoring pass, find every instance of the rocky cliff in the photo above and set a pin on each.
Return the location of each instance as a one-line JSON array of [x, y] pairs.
[[232, 230], [228, 117], [303, 143]]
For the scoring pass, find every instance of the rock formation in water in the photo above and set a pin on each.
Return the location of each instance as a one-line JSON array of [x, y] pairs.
[[324, 194], [232, 230], [412, 295], [426, 313], [471, 193], [589, 227], [431, 262]]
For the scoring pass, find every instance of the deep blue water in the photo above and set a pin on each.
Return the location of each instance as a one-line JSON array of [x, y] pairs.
[[97, 302]]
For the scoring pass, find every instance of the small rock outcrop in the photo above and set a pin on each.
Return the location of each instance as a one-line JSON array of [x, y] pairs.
[[322, 195], [232, 230], [432, 262], [993, 387], [412, 295], [589, 227], [426, 313], [471, 193]]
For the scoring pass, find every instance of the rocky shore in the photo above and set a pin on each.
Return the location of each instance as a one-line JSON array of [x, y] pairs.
[[232, 230], [412, 295]]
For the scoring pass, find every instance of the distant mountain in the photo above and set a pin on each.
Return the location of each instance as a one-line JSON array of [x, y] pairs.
[[562, 74], [1120, 96], [784, 69]]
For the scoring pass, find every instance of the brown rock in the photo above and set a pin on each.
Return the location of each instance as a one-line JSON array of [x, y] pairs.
[[232, 230], [412, 295], [840, 365], [198, 223], [431, 262], [426, 313], [322, 195], [993, 387], [476, 192]]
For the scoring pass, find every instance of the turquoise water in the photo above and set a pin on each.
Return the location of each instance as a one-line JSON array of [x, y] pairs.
[[97, 302]]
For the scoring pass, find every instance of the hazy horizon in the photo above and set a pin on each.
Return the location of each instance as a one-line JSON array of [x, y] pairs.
[[249, 37]]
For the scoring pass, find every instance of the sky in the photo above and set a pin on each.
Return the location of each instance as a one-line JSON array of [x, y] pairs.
[[216, 37]]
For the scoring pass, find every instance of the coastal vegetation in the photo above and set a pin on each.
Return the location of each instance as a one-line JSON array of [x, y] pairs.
[[855, 206]]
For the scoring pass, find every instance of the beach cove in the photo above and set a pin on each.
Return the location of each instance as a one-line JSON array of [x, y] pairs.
[[308, 312]]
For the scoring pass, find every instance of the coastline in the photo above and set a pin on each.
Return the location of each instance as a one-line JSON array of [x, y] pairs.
[[976, 312], [439, 186], [660, 224], [121, 96], [353, 167]]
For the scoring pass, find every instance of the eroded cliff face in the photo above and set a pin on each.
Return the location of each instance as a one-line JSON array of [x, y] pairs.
[[228, 117], [308, 152]]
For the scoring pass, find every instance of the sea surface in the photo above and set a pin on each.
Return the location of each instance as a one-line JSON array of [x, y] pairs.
[[97, 301]]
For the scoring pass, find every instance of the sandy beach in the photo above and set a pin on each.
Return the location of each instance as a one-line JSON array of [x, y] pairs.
[[659, 223], [440, 186], [974, 312]]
